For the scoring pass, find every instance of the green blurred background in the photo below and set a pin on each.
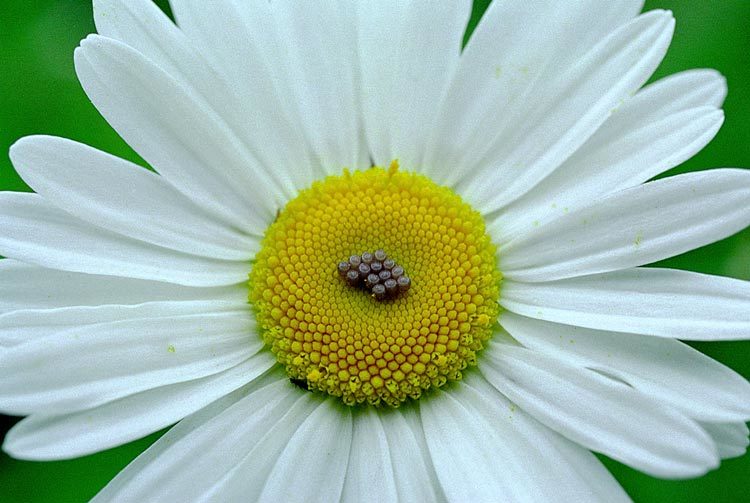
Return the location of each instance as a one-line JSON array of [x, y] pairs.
[[39, 93]]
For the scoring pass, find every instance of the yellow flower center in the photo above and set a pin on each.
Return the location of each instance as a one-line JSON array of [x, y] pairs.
[[343, 337]]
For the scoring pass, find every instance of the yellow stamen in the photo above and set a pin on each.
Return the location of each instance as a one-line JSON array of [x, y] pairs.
[[341, 340]]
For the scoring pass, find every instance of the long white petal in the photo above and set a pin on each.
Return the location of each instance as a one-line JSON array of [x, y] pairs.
[[185, 140], [550, 122], [29, 287], [44, 437], [683, 91], [633, 227], [246, 478], [601, 414], [79, 179], [408, 53], [201, 448], [514, 49], [484, 449], [731, 438], [387, 460], [370, 470], [321, 444], [660, 127], [649, 301], [664, 369], [151, 345], [228, 463], [240, 39], [416, 479], [34, 231], [240, 89], [27, 325], [318, 55], [142, 25]]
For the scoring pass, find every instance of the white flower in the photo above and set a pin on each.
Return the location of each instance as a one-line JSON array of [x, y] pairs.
[[123, 305]]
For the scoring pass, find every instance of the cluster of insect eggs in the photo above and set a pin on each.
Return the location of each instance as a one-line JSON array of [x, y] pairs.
[[376, 272]]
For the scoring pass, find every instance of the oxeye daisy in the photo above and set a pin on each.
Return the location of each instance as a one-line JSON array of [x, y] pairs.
[[371, 263]]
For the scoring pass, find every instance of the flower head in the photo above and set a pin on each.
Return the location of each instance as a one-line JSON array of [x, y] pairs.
[[373, 263]]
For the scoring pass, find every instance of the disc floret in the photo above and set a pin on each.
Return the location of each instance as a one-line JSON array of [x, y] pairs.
[[341, 331]]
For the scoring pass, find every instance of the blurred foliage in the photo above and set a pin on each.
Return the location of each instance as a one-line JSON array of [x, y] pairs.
[[39, 94]]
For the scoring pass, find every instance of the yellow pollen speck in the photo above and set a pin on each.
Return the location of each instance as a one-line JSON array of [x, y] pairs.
[[339, 339]]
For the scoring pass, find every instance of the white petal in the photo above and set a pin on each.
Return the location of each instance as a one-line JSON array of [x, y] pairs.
[[51, 437], [29, 287], [240, 91], [731, 438], [665, 369], [370, 470], [32, 230], [150, 345], [601, 414], [549, 121], [142, 25], [387, 460], [174, 130], [318, 53], [408, 53], [416, 480], [590, 477], [80, 180], [662, 126], [512, 48], [321, 445], [20, 327], [683, 91], [485, 448], [661, 302], [633, 227], [239, 38], [213, 459], [201, 448], [260, 468], [247, 476]]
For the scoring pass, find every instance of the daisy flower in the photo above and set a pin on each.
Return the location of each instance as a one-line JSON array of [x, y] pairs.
[[369, 264]]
